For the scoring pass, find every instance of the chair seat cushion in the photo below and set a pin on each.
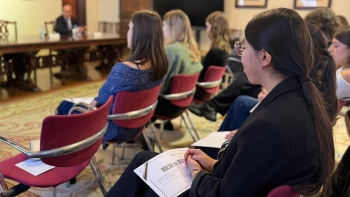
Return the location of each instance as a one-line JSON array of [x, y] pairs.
[[50, 178]]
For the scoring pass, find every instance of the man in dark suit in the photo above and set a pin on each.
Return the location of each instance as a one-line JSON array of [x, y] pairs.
[[65, 23]]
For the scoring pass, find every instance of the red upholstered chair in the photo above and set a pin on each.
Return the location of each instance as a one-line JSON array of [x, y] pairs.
[[284, 190], [134, 110], [182, 89], [68, 142], [341, 104], [210, 84]]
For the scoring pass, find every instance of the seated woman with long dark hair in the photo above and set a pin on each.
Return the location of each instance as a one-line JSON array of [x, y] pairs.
[[287, 140], [143, 69]]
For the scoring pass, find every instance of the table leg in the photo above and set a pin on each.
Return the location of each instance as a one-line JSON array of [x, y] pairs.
[[73, 66], [109, 55], [21, 64]]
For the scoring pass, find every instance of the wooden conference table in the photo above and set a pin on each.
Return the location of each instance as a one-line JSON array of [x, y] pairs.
[[32, 44]]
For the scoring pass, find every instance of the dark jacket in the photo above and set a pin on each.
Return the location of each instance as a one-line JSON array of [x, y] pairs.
[[275, 146], [214, 57], [61, 25]]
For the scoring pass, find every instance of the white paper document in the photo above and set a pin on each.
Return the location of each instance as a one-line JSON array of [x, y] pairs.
[[213, 140], [167, 173], [86, 100], [34, 167]]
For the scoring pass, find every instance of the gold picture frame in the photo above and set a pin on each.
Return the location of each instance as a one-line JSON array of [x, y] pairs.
[[251, 3], [311, 4]]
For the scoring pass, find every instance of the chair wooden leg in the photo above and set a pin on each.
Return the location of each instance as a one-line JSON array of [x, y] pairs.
[[3, 185], [188, 128], [192, 125], [98, 175]]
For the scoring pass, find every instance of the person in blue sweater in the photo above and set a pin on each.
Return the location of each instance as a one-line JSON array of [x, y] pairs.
[[143, 69]]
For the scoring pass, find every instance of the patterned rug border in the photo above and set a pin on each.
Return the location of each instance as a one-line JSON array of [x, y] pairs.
[[44, 99]]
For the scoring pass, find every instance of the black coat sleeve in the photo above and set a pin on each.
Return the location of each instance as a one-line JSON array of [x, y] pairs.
[[257, 161], [61, 26], [214, 57]]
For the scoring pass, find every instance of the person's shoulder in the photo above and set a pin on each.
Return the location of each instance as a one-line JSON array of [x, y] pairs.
[[59, 18], [175, 46], [346, 75], [175, 50]]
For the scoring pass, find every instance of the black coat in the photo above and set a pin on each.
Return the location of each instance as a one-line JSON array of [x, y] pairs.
[[275, 146], [61, 25]]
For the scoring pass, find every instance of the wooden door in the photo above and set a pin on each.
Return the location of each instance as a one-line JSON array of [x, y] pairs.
[[127, 8], [79, 10]]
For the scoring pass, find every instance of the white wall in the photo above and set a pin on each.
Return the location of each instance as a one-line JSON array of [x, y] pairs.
[[92, 14], [109, 10], [101, 10], [239, 17], [30, 14]]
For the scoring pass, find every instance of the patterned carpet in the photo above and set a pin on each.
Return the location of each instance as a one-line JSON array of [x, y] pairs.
[[21, 121]]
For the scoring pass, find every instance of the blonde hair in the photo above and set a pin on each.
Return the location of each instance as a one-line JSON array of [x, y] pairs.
[[219, 32], [180, 31]]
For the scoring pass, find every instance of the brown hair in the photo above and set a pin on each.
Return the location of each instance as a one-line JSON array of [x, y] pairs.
[[342, 20], [343, 35], [147, 43], [272, 31], [219, 32], [180, 31], [324, 18]]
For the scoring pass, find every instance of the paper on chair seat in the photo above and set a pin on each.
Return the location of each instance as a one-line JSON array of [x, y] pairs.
[[213, 140], [34, 167], [86, 100]]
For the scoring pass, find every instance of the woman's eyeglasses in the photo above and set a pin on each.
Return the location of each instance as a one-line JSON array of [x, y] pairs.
[[239, 47]]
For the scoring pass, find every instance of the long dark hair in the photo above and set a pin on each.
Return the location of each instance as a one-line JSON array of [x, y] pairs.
[[343, 35], [323, 71], [284, 35], [147, 43]]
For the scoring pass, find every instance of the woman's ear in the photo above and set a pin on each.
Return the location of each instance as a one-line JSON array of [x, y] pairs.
[[265, 58]]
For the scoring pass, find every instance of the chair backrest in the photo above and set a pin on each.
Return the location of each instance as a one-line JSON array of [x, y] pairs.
[[4, 30], [213, 73], [341, 104], [126, 101], [284, 190], [109, 27], [47, 24], [183, 83], [63, 130]]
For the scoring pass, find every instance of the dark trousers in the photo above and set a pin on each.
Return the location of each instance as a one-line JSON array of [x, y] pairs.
[[129, 184], [241, 86], [341, 177], [165, 108]]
